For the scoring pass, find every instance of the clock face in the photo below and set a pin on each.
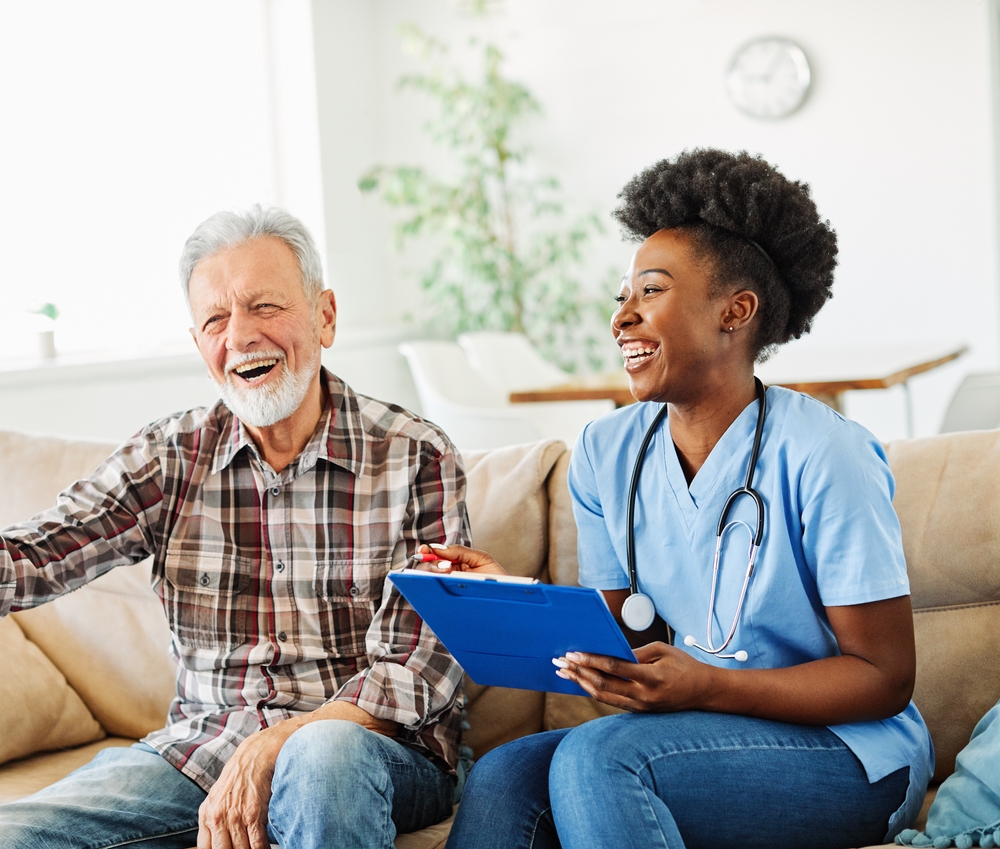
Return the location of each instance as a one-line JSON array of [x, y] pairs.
[[769, 77]]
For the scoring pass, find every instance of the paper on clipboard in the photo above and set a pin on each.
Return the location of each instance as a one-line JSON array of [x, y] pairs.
[[506, 632]]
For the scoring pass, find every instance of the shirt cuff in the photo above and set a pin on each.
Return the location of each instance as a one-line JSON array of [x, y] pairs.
[[389, 691]]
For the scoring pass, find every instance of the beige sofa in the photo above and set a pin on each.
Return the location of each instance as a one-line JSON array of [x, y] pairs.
[[92, 669]]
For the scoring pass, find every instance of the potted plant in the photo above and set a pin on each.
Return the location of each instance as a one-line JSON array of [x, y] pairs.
[[505, 257]]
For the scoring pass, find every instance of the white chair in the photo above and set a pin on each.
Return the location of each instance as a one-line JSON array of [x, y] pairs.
[[975, 404], [471, 410], [510, 363]]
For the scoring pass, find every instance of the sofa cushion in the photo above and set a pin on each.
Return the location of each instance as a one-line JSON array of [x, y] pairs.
[[111, 641], [507, 490], [35, 469], [947, 497], [22, 778], [39, 711]]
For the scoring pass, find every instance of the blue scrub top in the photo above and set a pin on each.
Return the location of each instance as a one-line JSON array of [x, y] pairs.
[[831, 538]]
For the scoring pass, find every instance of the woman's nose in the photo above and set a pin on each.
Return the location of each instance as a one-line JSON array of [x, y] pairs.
[[624, 316]]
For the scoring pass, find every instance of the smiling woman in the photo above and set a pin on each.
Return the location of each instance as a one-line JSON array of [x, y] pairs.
[[789, 693]]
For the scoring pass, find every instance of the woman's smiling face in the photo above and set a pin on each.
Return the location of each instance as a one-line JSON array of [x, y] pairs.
[[669, 324]]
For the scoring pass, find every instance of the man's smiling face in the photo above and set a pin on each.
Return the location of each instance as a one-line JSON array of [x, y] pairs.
[[258, 332]]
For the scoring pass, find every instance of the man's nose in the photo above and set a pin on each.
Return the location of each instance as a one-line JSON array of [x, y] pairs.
[[242, 332]]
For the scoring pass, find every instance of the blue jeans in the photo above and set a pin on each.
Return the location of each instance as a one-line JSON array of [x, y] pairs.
[[335, 784], [675, 780]]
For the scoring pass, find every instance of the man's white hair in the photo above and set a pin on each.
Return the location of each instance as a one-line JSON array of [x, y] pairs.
[[226, 230]]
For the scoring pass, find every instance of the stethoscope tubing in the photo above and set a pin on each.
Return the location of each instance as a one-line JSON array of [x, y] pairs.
[[747, 489]]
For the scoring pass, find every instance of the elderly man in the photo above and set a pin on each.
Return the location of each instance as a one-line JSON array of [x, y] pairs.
[[313, 706]]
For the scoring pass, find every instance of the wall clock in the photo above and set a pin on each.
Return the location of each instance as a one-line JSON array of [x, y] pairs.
[[769, 77]]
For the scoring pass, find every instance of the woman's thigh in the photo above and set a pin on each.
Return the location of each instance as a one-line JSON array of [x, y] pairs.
[[700, 780], [505, 804]]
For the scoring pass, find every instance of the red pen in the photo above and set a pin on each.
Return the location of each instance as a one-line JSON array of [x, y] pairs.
[[422, 557]]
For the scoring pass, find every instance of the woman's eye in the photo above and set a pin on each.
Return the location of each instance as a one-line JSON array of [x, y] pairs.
[[620, 299], [650, 290]]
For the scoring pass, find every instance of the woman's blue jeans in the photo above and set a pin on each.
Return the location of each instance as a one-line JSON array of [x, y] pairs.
[[675, 780], [335, 784]]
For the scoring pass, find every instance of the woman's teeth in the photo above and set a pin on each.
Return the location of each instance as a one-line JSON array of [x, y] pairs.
[[635, 353]]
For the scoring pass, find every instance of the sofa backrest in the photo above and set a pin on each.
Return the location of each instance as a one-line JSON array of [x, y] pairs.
[[948, 503], [948, 492]]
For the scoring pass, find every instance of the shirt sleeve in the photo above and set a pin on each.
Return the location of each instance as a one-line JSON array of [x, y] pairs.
[[96, 524], [599, 563], [412, 679], [851, 537]]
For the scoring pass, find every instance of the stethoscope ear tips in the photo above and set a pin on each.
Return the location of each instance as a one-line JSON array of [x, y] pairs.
[[741, 655]]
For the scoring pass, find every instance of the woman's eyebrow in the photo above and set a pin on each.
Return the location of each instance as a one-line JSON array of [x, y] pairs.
[[656, 271]]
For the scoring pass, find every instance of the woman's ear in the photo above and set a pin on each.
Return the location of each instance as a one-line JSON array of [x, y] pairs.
[[739, 310]]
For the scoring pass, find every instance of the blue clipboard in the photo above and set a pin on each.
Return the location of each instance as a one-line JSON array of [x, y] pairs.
[[505, 632]]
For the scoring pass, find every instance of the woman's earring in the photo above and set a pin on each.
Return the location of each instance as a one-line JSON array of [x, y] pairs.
[[730, 330]]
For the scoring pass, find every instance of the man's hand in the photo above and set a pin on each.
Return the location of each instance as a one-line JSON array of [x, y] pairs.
[[234, 816]]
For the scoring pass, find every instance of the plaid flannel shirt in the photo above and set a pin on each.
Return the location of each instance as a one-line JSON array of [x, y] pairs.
[[273, 584]]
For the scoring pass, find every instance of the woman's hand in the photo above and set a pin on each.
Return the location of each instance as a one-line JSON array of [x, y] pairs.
[[665, 679], [872, 677], [460, 558]]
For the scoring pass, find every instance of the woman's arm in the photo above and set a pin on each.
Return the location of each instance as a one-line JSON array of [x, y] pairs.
[[871, 679]]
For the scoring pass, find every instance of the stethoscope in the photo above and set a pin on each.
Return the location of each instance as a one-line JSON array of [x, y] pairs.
[[638, 611]]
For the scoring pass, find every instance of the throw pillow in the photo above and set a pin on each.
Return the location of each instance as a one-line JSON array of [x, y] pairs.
[[966, 810]]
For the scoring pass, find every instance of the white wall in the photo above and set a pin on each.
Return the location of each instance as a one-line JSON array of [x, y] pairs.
[[896, 140]]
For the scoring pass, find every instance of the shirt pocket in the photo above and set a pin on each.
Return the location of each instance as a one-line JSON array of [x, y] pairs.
[[350, 592], [205, 596]]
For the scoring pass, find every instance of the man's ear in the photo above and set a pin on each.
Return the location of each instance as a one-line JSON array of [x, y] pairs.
[[327, 315]]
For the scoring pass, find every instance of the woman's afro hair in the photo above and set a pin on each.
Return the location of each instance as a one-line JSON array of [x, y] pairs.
[[758, 230]]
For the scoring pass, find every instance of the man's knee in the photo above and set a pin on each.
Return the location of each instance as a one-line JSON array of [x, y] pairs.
[[330, 751]]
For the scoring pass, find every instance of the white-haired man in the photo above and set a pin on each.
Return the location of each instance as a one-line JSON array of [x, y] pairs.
[[313, 706]]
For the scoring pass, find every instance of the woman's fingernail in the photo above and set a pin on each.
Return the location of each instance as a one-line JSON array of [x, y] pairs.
[[562, 673], [558, 661], [436, 545], [443, 565], [574, 656]]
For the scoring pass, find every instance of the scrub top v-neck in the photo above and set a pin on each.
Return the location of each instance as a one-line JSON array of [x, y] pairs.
[[831, 538]]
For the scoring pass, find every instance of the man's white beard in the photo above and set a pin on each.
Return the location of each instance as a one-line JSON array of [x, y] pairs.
[[263, 406]]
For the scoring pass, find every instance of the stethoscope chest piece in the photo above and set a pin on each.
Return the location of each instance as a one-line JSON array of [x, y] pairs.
[[638, 611]]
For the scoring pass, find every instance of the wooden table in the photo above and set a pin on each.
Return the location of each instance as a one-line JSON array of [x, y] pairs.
[[824, 373]]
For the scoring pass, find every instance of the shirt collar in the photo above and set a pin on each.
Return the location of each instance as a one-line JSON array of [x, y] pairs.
[[339, 437]]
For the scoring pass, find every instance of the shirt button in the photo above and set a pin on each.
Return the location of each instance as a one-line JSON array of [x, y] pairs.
[[279, 566], [354, 591], [275, 490], [204, 580], [282, 636]]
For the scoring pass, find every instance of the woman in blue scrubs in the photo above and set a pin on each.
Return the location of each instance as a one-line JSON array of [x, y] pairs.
[[801, 732]]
